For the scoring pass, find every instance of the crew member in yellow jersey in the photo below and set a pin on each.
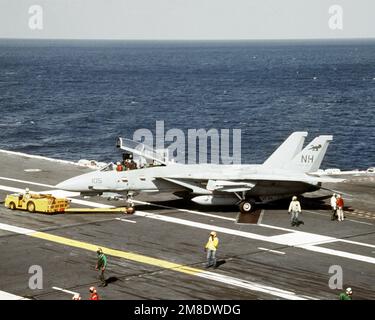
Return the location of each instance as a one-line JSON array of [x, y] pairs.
[[211, 247]]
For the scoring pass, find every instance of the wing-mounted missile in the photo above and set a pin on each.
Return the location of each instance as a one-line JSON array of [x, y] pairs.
[[229, 186]]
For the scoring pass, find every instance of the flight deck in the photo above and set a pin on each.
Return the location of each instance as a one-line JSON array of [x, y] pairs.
[[158, 252]]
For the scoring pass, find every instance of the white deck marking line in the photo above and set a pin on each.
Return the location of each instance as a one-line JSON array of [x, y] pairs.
[[200, 225], [39, 157], [337, 239], [357, 243], [64, 290], [342, 254], [260, 217], [299, 239], [11, 189], [328, 215], [186, 210], [10, 296], [250, 285], [14, 229], [278, 228], [269, 250], [317, 213], [126, 220], [368, 223], [29, 182], [221, 278], [32, 170]]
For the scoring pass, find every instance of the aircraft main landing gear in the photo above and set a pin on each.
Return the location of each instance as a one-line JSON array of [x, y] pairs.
[[246, 206]]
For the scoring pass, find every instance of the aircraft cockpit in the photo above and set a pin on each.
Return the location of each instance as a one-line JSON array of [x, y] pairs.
[[109, 167]]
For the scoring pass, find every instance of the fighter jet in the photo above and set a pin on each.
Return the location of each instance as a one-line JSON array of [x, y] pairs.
[[287, 172]]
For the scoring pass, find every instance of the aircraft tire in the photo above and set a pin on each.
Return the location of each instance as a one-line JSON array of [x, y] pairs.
[[246, 206], [130, 210]]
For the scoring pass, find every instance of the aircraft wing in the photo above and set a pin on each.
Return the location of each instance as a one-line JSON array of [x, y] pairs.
[[207, 186], [191, 185], [248, 181]]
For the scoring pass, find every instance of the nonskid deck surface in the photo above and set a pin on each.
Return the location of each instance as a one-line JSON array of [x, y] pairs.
[[158, 252]]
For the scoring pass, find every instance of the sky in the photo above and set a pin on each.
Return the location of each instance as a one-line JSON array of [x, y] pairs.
[[187, 19]]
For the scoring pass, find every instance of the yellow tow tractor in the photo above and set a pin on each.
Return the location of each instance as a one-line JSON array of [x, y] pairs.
[[47, 203], [34, 202]]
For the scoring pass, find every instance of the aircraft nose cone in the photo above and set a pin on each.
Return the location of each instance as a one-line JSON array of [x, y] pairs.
[[63, 186], [69, 185]]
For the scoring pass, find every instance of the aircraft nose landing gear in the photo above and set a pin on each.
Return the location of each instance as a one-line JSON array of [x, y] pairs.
[[130, 210], [130, 204]]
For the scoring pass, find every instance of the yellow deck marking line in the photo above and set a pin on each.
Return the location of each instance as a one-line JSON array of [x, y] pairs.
[[116, 253]]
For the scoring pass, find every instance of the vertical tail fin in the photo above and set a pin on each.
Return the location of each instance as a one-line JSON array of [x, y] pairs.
[[287, 150], [311, 157]]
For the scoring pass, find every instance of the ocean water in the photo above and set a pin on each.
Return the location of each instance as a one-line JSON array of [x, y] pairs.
[[71, 99]]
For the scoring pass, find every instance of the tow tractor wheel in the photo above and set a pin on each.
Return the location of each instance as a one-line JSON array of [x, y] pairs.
[[12, 206], [246, 206], [31, 207]]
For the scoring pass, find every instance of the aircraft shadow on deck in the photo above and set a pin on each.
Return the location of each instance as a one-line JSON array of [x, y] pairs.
[[318, 203], [306, 203]]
